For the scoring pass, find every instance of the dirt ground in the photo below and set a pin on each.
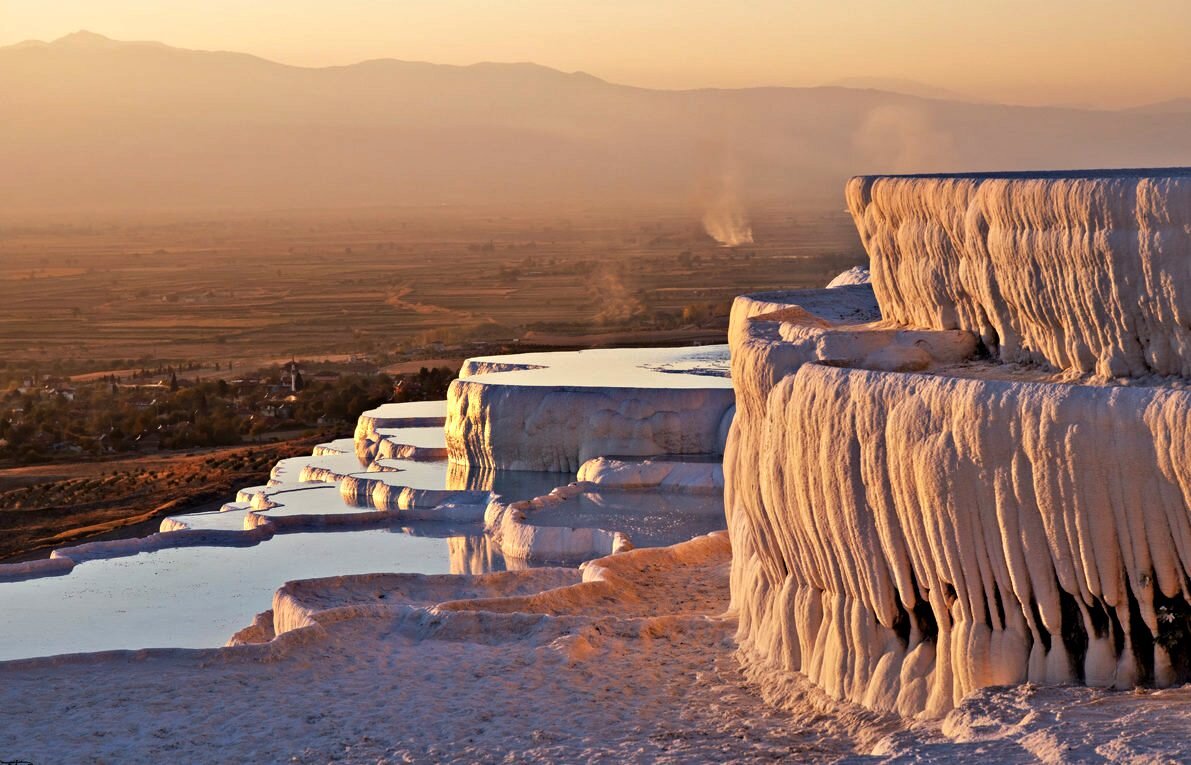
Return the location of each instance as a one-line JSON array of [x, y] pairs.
[[47, 506]]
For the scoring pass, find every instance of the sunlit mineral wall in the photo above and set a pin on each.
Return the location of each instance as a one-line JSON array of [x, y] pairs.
[[760, 359], [515, 427], [916, 537], [1087, 271]]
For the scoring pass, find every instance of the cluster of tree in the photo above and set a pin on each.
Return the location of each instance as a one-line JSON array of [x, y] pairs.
[[424, 385], [102, 417], [341, 400]]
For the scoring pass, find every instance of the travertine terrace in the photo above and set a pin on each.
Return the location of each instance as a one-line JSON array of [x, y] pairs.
[[1081, 271], [389, 499], [555, 411], [989, 484]]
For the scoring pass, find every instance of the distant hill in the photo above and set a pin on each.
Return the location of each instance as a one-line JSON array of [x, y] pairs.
[[903, 86], [1173, 106], [91, 123]]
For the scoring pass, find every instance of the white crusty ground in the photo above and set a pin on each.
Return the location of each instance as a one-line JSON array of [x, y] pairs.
[[621, 670], [635, 664]]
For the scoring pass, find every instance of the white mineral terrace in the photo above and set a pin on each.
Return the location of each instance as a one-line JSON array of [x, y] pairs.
[[553, 412], [1087, 271], [912, 521], [340, 511], [580, 522], [614, 368]]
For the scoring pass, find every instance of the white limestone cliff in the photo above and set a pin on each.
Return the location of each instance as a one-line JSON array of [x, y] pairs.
[[940, 535], [1087, 271], [912, 520], [553, 412]]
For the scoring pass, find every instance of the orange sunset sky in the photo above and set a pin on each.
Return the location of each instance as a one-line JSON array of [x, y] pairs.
[[1072, 52]]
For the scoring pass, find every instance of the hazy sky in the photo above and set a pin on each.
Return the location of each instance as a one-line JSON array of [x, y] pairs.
[[1096, 52]]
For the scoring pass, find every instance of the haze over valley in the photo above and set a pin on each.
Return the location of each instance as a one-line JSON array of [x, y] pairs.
[[91, 124]]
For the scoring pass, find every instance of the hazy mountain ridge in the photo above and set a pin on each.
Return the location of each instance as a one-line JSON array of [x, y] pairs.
[[92, 123], [904, 87], [1172, 106]]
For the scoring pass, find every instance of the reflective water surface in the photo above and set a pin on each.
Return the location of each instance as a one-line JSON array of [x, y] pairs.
[[194, 597]]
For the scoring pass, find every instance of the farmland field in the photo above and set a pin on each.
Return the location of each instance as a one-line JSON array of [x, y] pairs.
[[390, 286]]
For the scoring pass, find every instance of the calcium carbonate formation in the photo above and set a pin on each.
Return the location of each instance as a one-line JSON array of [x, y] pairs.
[[974, 470], [1084, 271], [556, 411], [990, 483]]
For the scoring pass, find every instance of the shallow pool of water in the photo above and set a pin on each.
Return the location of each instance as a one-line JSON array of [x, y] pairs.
[[196, 597], [650, 519], [690, 367]]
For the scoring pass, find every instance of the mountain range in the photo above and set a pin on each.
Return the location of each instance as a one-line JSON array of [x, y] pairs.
[[88, 123]]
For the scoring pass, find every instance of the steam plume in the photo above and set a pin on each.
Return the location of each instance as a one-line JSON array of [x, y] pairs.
[[724, 217]]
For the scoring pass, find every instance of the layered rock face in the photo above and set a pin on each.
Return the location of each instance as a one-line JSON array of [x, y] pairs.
[[912, 520], [553, 412], [557, 430], [1086, 271]]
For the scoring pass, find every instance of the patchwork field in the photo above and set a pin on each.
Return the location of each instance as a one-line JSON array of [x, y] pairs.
[[105, 296]]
